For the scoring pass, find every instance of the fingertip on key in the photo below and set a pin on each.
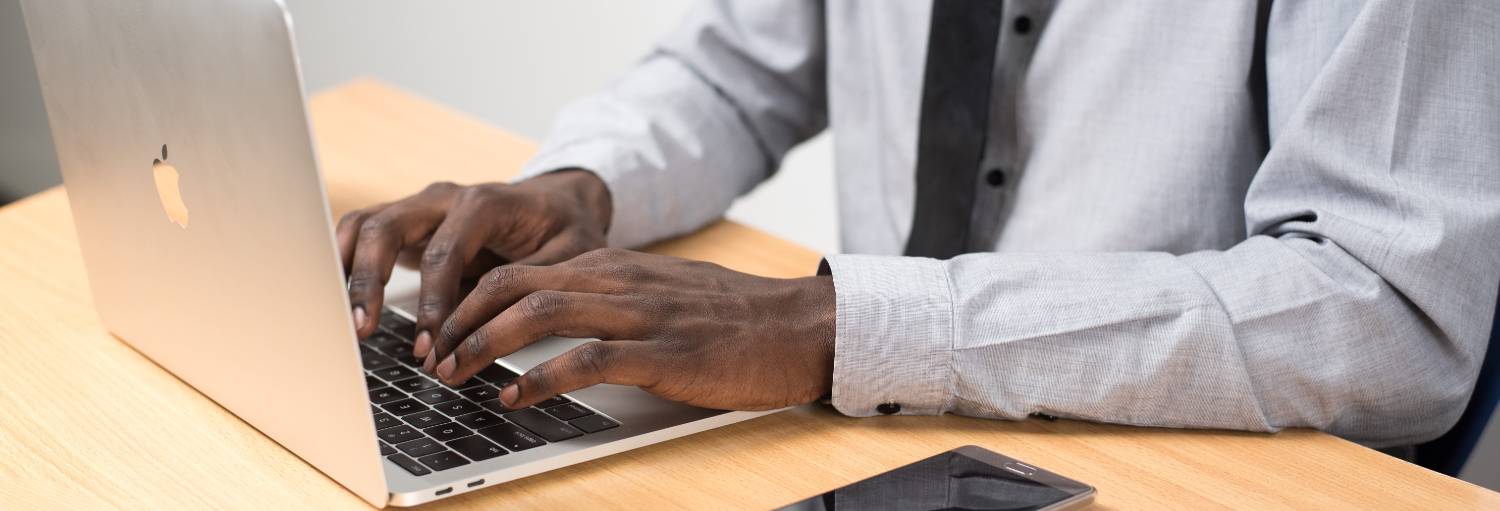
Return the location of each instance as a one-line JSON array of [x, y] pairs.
[[509, 395], [422, 345], [359, 318]]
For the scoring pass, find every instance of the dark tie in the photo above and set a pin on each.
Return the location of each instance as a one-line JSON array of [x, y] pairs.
[[955, 115]]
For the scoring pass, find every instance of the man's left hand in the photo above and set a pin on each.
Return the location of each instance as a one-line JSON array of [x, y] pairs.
[[688, 331]]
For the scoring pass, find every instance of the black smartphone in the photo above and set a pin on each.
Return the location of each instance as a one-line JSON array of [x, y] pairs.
[[969, 477]]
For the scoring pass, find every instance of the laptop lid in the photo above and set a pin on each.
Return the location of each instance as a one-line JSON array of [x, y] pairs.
[[184, 144]]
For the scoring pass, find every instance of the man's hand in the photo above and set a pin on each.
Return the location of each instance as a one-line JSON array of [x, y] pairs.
[[688, 331], [450, 231]]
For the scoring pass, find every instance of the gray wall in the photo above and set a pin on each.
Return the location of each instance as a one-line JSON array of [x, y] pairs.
[[512, 64], [27, 163]]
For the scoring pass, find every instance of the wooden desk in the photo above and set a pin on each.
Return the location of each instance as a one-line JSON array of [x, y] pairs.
[[87, 423]]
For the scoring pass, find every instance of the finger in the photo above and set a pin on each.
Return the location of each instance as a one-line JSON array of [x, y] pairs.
[[348, 231], [455, 243], [381, 237], [537, 316], [499, 289], [558, 249], [615, 362]]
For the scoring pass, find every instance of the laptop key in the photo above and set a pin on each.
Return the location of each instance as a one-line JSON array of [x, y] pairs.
[[421, 447], [415, 384], [547, 427], [494, 405], [456, 408], [386, 450], [425, 418], [512, 437], [443, 460], [569, 411], [479, 420], [402, 354], [411, 465], [384, 420], [398, 434], [393, 373], [390, 319], [385, 395], [593, 423], [553, 401], [484, 393], [496, 374], [476, 448], [435, 395], [380, 340], [376, 361], [372, 382], [398, 325], [468, 384], [404, 407], [446, 432]]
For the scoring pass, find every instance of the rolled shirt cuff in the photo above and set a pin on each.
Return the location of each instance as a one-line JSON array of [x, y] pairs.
[[893, 348]]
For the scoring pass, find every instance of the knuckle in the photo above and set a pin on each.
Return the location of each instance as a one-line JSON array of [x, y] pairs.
[[475, 195], [449, 330], [437, 254], [374, 226], [500, 279], [440, 187], [476, 345], [591, 358], [360, 280], [430, 307], [540, 378], [541, 305], [599, 255]]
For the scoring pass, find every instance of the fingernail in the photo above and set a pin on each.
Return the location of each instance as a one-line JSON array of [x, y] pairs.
[[509, 395], [424, 343], [445, 369], [359, 318], [428, 363]]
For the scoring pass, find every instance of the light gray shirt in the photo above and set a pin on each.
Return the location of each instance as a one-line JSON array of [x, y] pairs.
[[1212, 216]]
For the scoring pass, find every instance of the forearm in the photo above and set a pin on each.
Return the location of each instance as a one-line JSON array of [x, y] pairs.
[[1270, 334], [702, 120]]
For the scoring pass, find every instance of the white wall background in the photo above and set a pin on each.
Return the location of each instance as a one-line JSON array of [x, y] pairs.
[[515, 64], [510, 63]]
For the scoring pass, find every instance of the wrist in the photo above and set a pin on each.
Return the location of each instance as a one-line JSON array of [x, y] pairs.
[[588, 189], [817, 305]]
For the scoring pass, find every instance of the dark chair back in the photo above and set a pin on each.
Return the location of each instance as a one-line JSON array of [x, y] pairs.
[[1449, 452]]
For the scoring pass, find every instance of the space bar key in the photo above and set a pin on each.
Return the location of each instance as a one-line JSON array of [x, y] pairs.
[[547, 427]]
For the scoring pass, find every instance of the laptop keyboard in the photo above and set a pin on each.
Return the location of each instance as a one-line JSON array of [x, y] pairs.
[[425, 426]]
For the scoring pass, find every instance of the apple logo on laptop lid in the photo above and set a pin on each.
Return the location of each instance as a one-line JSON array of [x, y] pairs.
[[167, 188]]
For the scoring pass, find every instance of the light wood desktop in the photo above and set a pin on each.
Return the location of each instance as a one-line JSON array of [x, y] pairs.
[[88, 423]]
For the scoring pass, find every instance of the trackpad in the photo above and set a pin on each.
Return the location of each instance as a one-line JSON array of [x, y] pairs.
[[541, 351]]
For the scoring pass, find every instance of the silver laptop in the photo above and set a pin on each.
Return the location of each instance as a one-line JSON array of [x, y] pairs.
[[181, 131]]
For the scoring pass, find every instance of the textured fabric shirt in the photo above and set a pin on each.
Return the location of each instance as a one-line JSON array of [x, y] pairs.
[[1211, 214]]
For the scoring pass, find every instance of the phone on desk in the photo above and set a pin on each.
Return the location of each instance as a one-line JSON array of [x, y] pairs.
[[968, 477]]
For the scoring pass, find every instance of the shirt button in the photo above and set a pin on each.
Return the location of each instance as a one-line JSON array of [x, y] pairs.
[[1023, 25], [888, 408], [995, 178]]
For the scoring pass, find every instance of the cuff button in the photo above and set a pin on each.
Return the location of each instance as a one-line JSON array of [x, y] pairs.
[[888, 408]]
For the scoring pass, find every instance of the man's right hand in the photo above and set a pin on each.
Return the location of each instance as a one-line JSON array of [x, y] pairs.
[[450, 231]]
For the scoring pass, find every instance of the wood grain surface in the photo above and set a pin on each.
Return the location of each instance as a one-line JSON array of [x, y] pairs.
[[88, 423]]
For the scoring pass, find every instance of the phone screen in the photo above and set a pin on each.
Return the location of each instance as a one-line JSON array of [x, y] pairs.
[[951, 480]]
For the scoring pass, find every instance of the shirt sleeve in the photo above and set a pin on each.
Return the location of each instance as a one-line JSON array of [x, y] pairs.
[[701, 120], [1360, 304]]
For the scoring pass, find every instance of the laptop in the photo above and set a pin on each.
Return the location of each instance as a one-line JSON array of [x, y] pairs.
[[182, 135]]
